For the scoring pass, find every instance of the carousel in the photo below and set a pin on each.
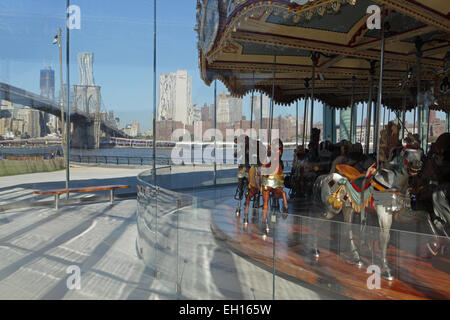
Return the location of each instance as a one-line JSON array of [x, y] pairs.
[[377, 197]]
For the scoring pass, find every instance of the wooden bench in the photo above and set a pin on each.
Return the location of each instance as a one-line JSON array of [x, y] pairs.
[[58, 192]]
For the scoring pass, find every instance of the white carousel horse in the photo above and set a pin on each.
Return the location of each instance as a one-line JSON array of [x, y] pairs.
[[384, 190]]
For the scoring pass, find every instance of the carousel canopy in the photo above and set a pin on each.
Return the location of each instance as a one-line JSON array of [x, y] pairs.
[[260, 45]]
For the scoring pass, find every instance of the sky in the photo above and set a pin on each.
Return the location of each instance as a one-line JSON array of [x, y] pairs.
[[120, 34]]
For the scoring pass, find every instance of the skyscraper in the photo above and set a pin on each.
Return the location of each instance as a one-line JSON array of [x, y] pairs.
[[344, 127], [47, 83], [31, 120], [205, 113], [47, 86], [229, 109], [175, 97], [344, 124], [329, 124], [257, 107]]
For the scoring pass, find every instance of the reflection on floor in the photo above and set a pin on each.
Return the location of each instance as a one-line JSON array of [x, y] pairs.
[[415, 278]]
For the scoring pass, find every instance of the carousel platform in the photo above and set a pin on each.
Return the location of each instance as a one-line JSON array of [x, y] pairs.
[[289, 242]]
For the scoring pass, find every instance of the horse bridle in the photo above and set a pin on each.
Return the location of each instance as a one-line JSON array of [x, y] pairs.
[[419, 163]]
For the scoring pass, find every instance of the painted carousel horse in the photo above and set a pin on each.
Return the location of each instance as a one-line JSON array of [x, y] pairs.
[[383, 190], [254, 183], [432, 194], [254, 190], [272, 181], [243, 172]]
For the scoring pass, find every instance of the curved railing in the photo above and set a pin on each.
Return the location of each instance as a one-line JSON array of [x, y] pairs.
[[185, 223]]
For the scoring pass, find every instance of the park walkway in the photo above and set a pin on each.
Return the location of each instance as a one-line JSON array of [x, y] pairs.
[[39, 244]]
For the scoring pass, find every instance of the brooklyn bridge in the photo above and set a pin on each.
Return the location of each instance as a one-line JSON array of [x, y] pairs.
[[87, 128]]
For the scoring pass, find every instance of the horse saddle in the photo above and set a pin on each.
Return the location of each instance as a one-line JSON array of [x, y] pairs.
[[355, 177], [349, 172]]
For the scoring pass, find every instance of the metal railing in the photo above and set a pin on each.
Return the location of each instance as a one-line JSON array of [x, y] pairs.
[[119, 160]]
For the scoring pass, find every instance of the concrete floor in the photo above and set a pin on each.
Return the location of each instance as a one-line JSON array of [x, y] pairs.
[[38, 245]]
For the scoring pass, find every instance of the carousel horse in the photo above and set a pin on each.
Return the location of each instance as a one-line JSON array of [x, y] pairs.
[[384, 191], [272, 181], [254, 183], [254, 190], [243, 172], [432, 194]]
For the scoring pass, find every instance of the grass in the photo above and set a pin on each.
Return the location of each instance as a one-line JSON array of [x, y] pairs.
[[15, 167]]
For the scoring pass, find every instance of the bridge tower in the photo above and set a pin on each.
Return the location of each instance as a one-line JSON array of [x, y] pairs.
[[87, 101]]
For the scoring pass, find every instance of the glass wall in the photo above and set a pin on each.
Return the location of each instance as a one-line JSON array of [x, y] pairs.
[[119, 156]]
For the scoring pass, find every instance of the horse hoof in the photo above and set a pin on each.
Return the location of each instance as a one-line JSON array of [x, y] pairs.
[[238, 212], [387, 275], [315, 253], [245, 221], [358, 263], [429, 250]]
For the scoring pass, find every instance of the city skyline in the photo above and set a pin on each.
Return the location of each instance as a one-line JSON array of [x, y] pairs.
[[122, 40]]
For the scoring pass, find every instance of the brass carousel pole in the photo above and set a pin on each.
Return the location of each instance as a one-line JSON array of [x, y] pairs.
[[315, 59], [380, 90], [362, 124], [260, 113], [352, 109], [369, 106], [428, 130], [375, 120], [404, 114], [296, 123], [251, 107], [305, 115], [215, 133], [419, 44], [272, 102], [369, 116]]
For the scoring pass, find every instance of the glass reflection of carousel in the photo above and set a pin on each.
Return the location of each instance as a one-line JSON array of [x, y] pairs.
[[322, 51]]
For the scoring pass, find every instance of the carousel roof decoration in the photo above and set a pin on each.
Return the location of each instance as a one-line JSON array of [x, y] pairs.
[[240, 37]]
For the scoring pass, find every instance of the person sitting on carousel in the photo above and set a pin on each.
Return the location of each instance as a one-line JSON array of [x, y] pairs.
[[298, 168], [358, 160], [326, 155], [343, 158], [312, 164], [242, 155], [272, 178]]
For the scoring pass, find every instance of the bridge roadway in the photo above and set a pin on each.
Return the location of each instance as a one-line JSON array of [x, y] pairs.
[[29, 99]]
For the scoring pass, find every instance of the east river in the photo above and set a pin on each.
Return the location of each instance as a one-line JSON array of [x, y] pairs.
[[117, 155]]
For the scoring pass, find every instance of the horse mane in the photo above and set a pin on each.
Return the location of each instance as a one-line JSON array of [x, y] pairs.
[[395, 153]]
